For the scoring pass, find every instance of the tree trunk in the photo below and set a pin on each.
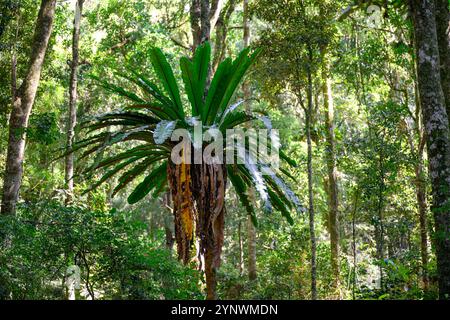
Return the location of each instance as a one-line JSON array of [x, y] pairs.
[[422, 206], [221, 29], [195, 12], [200, 22], [421, 197], [246, 26], [72, 121], [333, 202], [209, 185], [210, 274], [310, 182], [168, 229], [241, 249], [354, 273], [379, 223], [251, 241], [420, 183], [168, 222], [210, 204], [179, 177], [443, 36], [215, 12], [13, 77], [251, 230], [436, 128], [14, 63], [205, 21], [22, 107]]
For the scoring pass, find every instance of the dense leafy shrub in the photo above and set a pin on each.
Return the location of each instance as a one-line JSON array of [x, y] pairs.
[[112, 249]]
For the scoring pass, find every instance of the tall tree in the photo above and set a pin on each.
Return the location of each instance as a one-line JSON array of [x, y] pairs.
[[251, 230], [204, 15], [418, 149], [443, 36], [437, 132], [291, 56], [332, 187], [308, 124], [221, 30], [421, 194], [205, 31], [198, 190], [22, 107], [72, 120], [195, 13]]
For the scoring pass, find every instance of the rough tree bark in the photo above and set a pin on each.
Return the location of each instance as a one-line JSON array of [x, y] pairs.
[[72, 121], [436, 128], [443, 37], [195, 12], [333, 200], [422, 206], [22, 107], [204, 15], [221, 29], [421, 199]]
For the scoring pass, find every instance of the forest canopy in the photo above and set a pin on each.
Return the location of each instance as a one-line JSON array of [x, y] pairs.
[[224, 149]]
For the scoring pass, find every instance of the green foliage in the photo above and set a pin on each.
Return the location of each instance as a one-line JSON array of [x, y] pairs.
[[113, 250], [400, 281], [118, 160], [43, 128], [168, 113]]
